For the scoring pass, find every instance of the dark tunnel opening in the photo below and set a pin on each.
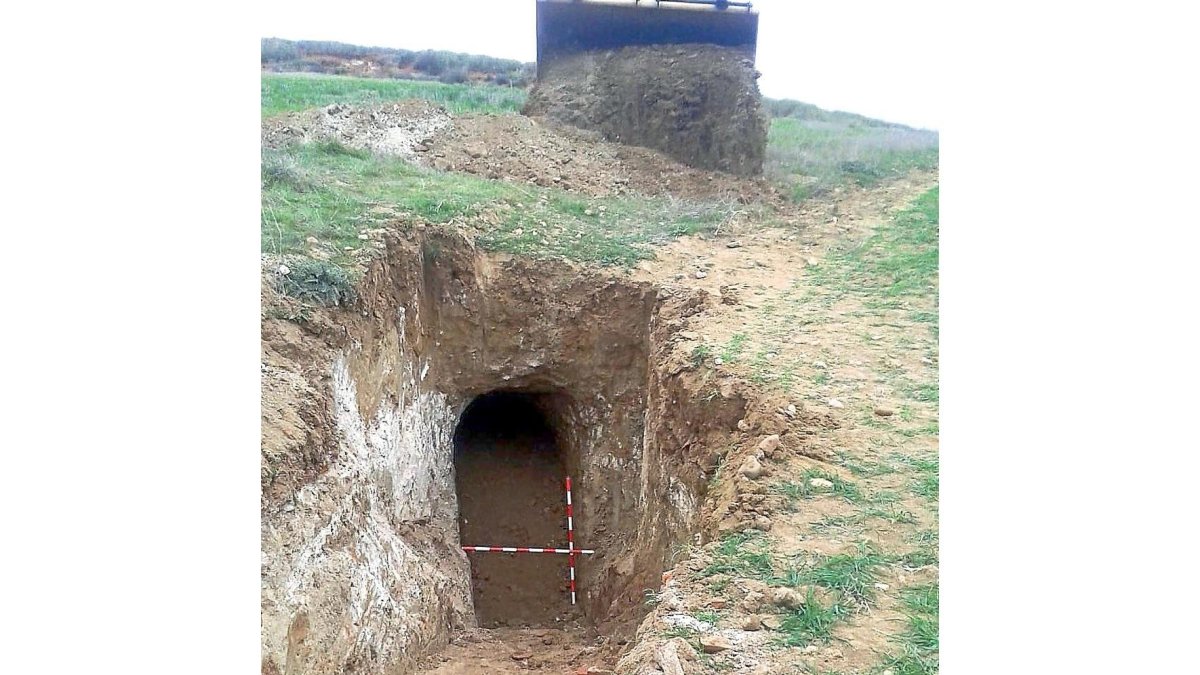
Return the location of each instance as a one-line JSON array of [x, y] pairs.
[[509, 470]]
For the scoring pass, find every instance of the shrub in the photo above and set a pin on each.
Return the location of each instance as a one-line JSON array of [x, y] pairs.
[[456, 76], [317, 281], [430, 62], [281, 169]]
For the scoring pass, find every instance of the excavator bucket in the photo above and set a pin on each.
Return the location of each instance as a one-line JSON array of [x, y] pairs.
[[570, 26]]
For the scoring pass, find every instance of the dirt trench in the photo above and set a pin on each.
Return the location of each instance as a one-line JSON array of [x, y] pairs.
[[446, 409]]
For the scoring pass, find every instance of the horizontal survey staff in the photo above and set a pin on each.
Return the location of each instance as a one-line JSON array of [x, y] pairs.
[[521, 549]]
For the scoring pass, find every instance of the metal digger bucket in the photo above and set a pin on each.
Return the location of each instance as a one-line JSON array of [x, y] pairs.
[[569, 26]]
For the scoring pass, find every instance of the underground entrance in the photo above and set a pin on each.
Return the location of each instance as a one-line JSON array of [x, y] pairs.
[[509, 471]]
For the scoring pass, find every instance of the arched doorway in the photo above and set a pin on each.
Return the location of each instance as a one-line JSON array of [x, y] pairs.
[[509, 470]]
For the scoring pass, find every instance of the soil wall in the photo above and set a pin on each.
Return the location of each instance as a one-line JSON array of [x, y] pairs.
[[697, 103]]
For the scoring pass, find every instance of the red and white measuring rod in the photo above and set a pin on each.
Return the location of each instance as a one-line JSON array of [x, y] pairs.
[[522, 549], [571, 540], [570, 550]]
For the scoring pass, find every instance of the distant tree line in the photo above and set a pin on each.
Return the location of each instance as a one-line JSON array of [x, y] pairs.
[[339, 58]]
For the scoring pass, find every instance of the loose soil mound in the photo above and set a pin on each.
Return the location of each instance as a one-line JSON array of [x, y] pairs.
[[698, 103], [516, 148], [391, 129], [511, 148]]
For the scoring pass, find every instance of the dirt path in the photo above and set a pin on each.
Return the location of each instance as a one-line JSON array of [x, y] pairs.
[[800, 318], [803, 318]]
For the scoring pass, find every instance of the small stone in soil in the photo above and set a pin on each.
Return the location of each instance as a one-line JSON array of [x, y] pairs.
[[521, 656], [711, 644], [787, 597], [884, 412], [769, 444], [834, 403], [751, 468]]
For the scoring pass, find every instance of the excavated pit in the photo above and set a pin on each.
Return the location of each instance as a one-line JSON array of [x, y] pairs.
[[460, 391]]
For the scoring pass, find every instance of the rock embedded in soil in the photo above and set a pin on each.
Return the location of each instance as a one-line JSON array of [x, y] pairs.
[[752, 623], [521, 656], [752, 469], [884, 412], [820, 483], [769, 445], [787, 597], [753, 602], [712, 644], [772, 622]]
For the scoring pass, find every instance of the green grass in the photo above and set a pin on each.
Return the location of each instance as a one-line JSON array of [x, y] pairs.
[[852, 574], [733, 349], [929, 429], [802, 489], [864, 469], [919, 642], [899, 260], [289, 92], [917, 559], [812, 156], [743, 554], [811, 622], [317, 282], [927, 481], [892, 515], [332, 193]]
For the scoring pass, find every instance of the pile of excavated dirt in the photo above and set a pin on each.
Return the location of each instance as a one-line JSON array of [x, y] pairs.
[[699, 104], [511, 148], [521, 149], [389, 129]]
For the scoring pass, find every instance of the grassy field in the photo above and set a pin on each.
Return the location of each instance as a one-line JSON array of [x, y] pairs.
[[811, 156], [334, 193], [284, 93]]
